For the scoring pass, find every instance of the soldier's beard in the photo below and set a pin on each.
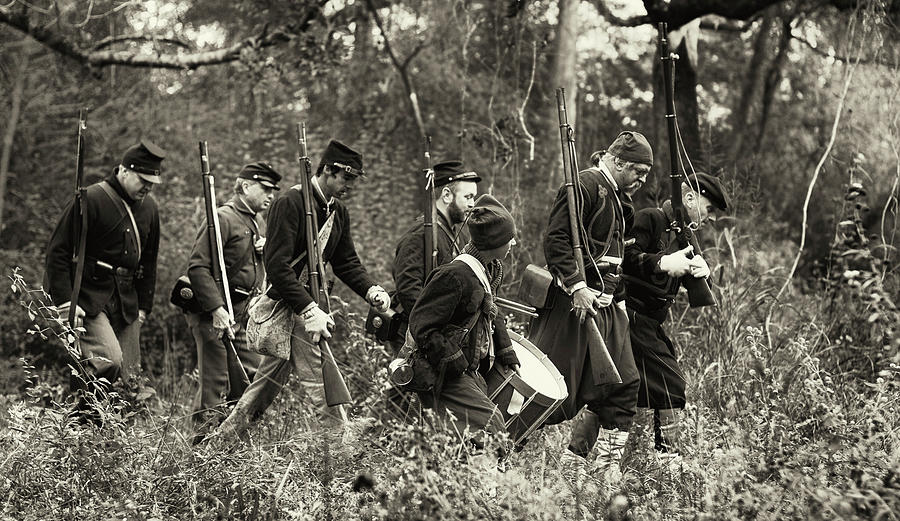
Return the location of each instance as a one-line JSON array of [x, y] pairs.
[[456, 214]]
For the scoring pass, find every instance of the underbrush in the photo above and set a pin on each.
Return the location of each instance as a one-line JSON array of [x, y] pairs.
[[791, 418]]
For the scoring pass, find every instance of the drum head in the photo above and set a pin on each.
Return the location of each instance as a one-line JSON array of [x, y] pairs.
[[537, 370]]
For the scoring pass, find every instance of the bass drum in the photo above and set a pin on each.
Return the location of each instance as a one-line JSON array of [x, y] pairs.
[[526, 399]]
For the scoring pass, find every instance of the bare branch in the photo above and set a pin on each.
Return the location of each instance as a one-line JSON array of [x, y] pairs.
[[883, 61], [112, 40], [401, 68], [55, 40], [633, 21], [724, 26]]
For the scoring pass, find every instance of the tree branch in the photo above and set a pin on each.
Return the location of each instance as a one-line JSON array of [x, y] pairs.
[[402, 68], [57, 41], [885, 62], [112, 40]]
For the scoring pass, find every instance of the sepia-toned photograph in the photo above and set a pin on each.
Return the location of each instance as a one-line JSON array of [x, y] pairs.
[[423, 260]]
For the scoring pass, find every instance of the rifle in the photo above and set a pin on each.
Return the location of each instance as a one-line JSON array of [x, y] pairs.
[[336, 391], [219, 275], [428, 211], [604, 368], [81, 211], [699, 292]]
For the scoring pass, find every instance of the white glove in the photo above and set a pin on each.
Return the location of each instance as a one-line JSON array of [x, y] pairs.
[[222, 322], [63, 310], [378, 298], [699, 267], [259, 245], [317, 323], [603, 300], [676, 264]]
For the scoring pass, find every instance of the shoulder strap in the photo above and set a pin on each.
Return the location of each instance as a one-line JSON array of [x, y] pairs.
[[123, 209], [477, 268]]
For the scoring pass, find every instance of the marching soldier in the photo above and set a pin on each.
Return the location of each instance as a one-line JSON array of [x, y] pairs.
[[560, 331], [457, 188], [454, 322], [120, 263], [652, 279], [243, 237], [338, 171]]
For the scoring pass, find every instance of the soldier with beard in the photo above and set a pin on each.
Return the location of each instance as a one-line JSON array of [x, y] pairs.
[[456, 188], [560, 331]]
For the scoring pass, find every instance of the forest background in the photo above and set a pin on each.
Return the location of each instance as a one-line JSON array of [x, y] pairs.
[[795, 105]]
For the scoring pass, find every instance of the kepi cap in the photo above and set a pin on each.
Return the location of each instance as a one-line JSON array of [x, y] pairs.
[[709, 187], [343, 158], [450, 171], [145, 158], [261, 172]]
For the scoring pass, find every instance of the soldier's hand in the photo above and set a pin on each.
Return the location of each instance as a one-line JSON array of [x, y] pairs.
[[583, 303], [259, 245], [677, 264], [699, 267], [378, 298], [63, 310], [222, 322], [317, 324]]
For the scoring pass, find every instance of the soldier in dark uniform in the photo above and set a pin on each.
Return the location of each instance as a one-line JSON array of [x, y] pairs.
[[337, 173], [120, 263], [456, 189], [560, 332], [454, 322], [243, 238], [652, 278]]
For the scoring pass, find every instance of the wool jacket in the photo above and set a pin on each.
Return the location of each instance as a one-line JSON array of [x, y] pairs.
[[440, 321], [408, 268], [239, 228], [650, 291], [113, 241], [604, 219], [286, 241]]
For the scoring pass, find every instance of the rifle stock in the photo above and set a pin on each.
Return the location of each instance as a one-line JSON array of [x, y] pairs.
[[81, 212], [604, 368], [336, 391], [217, 267], [699, 292]]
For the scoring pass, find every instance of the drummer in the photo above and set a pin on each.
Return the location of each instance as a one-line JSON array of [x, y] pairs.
[[453, 323]]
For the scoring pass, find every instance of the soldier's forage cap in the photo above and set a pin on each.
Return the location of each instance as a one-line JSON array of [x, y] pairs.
[[632, 146], [262, 172], [711, 188], [450, 171], [145, 158], [490, 224], [343, 158]]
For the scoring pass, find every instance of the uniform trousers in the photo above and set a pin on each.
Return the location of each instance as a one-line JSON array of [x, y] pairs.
[[110, 346], [271, 376], [465, 398], [221, 380]]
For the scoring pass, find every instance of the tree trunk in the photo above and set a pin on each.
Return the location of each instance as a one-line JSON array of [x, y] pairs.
[[10, 134], [773, 78], [686, 107], [740, 115], [563, 74]]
